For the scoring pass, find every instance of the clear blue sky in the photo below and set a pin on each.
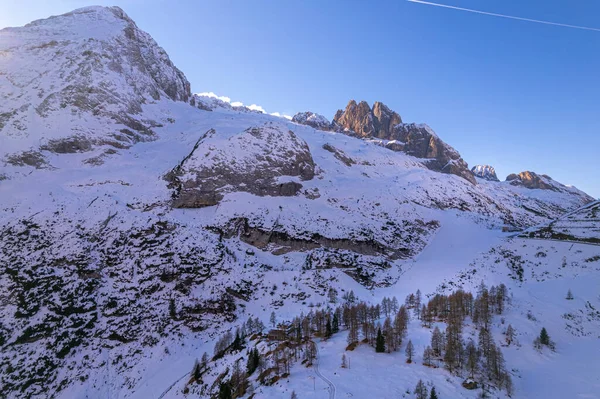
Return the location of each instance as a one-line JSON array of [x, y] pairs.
[[516, 95]]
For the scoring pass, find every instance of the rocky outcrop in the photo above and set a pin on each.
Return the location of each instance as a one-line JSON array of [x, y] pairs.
[[360, 119], [339, 154], [311, 119], [384, 120], [420, 141], [533, 180], [262, 161], [486, 172]]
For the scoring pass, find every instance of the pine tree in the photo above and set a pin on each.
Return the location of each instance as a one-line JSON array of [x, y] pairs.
[[380, 342], [332, 295], [204, 360], [544, 337], [420, 390], [273, 319], [253, 361], [428, 356], [418, 304], [225, 391], [344, 361], [569, 295], [410, 351], [472, 358], [433, 394], [294, 396], [510, 334], [237, 342], [197, 371], [437, 342], [328, 328], [335, 324]]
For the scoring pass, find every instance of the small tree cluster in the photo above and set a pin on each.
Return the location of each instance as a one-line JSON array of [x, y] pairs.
[[253, 361], [543, 340], [254, 326]]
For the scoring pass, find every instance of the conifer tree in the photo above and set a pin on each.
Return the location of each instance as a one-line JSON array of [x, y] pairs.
[[344, 361], [335, 323], [472, 358], [544, 337], [433, 394], [225, 391], [569, 295], [380, 342], [197, 371], [204, 360], [420, 390], [428, 356], [410, 351], [328, 328], [510, 334], [437, 342]]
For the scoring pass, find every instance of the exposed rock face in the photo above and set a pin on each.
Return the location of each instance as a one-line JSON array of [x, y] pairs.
[[533, 180], [486, 172], [422, 142], [384, 120], [357, 118], [261, 161], [91, 69], [339, 154], [314, 120], [416, 140]]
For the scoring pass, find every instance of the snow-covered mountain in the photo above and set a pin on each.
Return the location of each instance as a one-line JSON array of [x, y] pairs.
[[139, 222], [91, 70], [486, 172]]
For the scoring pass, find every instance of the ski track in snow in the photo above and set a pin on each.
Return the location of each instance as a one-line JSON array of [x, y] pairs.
[[330, 385]]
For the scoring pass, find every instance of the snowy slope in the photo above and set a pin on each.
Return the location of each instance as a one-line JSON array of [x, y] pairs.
[[111, 287]]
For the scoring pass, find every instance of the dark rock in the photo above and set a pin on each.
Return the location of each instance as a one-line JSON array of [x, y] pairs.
[[339, 154]]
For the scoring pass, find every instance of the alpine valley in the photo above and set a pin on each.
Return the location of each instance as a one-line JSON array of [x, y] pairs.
[[142, 225]]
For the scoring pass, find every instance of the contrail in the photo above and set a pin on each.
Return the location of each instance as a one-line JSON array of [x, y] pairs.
[[504, 16]]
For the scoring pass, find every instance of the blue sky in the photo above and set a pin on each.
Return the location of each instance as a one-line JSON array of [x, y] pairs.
[[516, 95]]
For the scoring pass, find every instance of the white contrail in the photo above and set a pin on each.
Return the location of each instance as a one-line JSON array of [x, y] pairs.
[[503, 15]]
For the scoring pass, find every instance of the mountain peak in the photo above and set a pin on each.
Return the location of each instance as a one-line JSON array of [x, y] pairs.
[[486, 172], [88, 68]]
